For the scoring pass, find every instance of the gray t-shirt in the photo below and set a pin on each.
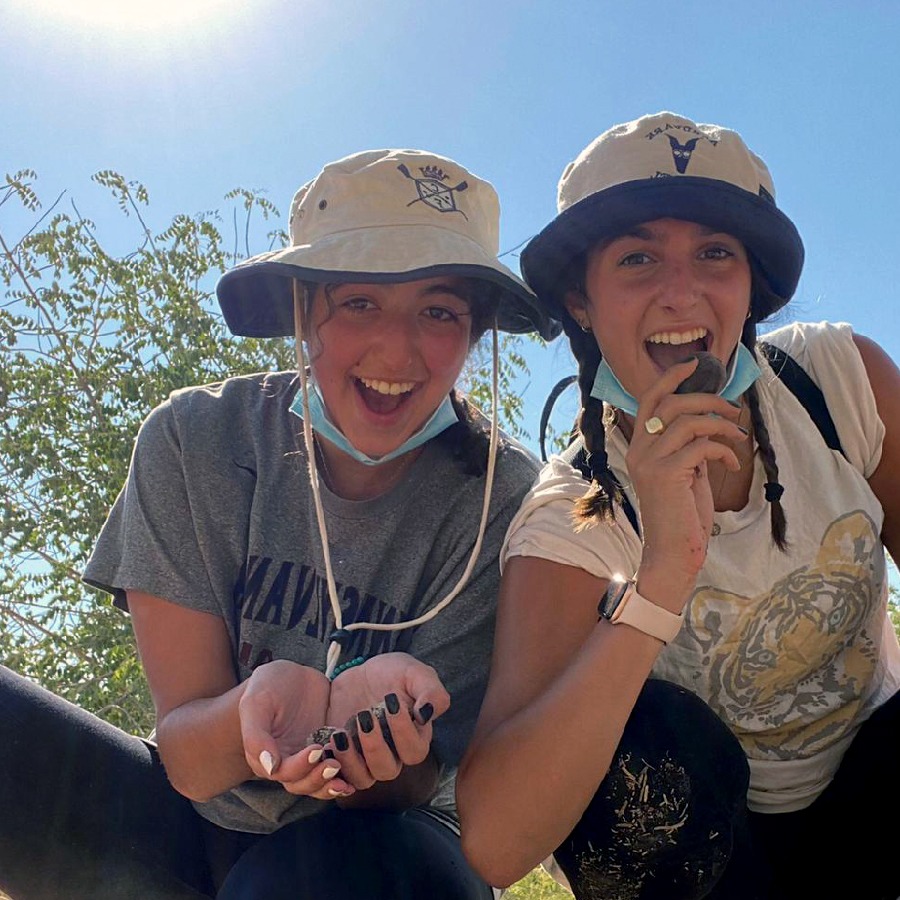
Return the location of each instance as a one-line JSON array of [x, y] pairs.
[[217, 515]]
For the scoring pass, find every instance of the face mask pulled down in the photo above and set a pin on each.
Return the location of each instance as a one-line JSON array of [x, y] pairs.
[[442, 418], [743, 371]]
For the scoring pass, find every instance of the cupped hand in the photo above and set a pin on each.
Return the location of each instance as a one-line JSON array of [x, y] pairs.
[[383, 710], [282, 703]]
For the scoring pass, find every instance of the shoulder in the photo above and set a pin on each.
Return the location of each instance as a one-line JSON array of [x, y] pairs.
[[544, 526], [222, 413], [814, 344], [517, 461], [260, 389], [831, 355], [515, 471], [558, 485], [228, 403]]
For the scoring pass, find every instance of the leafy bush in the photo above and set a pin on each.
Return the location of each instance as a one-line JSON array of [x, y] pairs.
[[537, 885]]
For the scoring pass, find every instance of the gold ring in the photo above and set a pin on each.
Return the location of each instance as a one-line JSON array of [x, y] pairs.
[[654, 425]]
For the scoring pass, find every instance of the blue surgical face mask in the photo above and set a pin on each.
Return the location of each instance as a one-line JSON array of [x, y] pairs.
[[444, 416], [743, 371]]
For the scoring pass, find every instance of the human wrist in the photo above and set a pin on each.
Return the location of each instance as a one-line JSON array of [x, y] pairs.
[[623, 604], [349, 664], [665, 585]]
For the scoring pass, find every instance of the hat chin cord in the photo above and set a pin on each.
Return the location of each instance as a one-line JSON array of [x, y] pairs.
[[341, 630]]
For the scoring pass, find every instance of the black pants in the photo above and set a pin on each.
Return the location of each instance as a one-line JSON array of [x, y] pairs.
[[341, 855], [844, 844], [87, 813], [670, 820]]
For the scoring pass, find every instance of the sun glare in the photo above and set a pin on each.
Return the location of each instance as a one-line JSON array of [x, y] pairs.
[[131, 15]]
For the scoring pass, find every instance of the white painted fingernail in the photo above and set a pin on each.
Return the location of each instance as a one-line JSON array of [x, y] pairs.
[[335, 793], [267, 761], [315, 755], [330, 771]]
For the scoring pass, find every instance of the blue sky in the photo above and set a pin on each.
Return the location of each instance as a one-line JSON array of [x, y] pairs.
[[262, 93]]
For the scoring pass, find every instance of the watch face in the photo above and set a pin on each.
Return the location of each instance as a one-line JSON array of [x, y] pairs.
[[612, 598]]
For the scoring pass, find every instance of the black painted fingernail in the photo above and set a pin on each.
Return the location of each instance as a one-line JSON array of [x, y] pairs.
[[426, 711], [386, 732], [366, 722], [392, 704], [340, 741], [328, 753]]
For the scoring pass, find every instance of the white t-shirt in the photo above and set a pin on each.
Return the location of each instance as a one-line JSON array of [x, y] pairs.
[[792, 650]]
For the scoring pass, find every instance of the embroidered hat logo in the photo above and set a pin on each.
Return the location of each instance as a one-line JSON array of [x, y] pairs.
[[432, 192]]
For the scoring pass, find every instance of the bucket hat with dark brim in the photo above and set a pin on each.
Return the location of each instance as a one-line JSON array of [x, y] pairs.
[[665, 166]]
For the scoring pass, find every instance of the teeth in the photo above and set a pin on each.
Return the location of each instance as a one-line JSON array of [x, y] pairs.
[[388, 387], [675, 337]]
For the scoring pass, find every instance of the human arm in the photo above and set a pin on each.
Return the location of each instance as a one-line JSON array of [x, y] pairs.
[[884, 378], [207, 743], [563, 686], [561, 690]]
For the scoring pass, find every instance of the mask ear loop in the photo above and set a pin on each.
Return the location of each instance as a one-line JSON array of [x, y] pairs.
[[341, 631]]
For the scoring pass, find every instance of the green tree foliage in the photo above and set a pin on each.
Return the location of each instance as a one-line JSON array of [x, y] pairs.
[[90, 341], [511, 364], [537, 885]]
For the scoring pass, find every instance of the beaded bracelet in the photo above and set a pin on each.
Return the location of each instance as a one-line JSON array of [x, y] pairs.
[[356, 661]]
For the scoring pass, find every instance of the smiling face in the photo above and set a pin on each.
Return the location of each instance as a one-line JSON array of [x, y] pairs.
[[386, 355], [664, 290]]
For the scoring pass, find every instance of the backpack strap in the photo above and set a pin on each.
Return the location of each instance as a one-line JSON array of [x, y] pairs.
[[798, 382]]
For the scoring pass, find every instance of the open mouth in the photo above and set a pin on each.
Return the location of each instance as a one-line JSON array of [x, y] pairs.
[[666, 348], [384, 397]]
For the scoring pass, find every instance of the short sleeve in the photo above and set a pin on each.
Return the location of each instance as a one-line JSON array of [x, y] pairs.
[[544, 527], [149, 542]]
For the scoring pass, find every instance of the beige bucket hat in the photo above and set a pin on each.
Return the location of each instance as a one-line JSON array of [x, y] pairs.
[[381, 216], [665, 166]]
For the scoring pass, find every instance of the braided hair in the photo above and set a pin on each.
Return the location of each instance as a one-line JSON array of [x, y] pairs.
[[605, 492], [759, 294]]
